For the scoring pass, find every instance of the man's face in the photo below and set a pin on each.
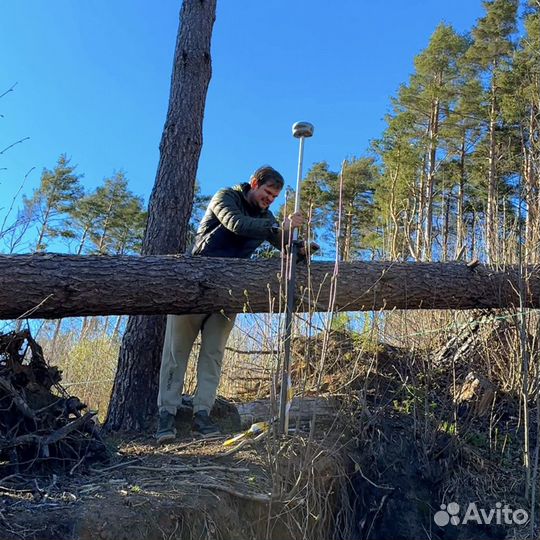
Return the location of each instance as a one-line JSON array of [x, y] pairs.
[[263, 196]]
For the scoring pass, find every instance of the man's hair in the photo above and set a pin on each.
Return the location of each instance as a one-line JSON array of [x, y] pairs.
[[268, 175]]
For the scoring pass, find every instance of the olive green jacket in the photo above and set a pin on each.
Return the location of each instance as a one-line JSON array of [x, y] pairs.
[[232, 227]]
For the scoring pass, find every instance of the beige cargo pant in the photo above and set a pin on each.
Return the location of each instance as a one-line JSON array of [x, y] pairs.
[[180, 334]]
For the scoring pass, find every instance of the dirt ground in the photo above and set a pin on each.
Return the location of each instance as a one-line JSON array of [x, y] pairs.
[[379, 462], [187, 489]]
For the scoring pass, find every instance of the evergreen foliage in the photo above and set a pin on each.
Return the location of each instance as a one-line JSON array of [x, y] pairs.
[[51, 204], [459, 157], [60, 216]]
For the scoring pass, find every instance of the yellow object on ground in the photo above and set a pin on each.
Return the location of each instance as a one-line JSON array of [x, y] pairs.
[[254, 430]]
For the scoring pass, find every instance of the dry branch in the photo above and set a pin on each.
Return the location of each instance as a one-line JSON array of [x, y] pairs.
[[257, 497], [40, 430]]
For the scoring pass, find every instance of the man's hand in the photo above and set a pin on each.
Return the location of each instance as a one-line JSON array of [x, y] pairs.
[[293, 221]]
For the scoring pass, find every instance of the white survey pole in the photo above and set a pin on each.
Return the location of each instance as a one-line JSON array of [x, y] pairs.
[[300, 130]]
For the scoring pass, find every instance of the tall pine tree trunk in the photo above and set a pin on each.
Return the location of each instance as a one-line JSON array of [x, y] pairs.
[[491, 213], [346, 247], [43, 230], [394, 227], [134, 393], [534, 168], [101, 244], [532, 192], [472, 253], [445, 211], [421, 211], [461, 227], [528, 196], [430, 183]]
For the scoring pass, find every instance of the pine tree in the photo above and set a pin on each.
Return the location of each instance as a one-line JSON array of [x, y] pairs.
[[396, 192], [111, 219], [520, 105], [52, 202], [133, 400], [435, 82], [460, 136], [421, 111], [127, 230], [85, 214], [490, 56], [315, 197], [356, 182], [118, 211], [320, 202]]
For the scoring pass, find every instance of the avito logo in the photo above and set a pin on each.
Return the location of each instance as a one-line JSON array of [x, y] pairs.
[[500, 515]]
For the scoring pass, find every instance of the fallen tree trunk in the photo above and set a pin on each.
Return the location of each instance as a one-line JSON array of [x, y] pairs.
[[54, 285], [302, 408]]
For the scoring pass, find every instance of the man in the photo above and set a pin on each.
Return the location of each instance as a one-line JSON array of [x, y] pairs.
[[237, 221]]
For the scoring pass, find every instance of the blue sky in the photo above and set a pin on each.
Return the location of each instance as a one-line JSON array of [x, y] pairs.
[[93, 82]]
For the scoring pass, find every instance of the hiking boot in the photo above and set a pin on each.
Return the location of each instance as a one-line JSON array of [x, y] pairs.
[[166, 431], [184, 412], [204, 426]]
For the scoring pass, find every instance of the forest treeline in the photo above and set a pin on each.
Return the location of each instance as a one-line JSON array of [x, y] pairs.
[[60, 215], [454, 175]]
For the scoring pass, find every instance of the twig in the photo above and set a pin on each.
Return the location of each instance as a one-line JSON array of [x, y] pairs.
[[117, 466], [188, 469], [14, 198], [194, 442], [13, 144], [8, 90], [257, 497], [357, 467], [54, 437], [35, 308], [241, 351], [17, 399], [9, 477], [76, 466], [14, 490], [381, 504], [59, 434]]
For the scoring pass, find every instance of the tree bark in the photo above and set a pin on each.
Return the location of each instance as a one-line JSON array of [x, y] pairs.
[[53, 285], [491, 212], [430, 181], [461, 234], [419, 246], [301, 409], [135, 389]]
